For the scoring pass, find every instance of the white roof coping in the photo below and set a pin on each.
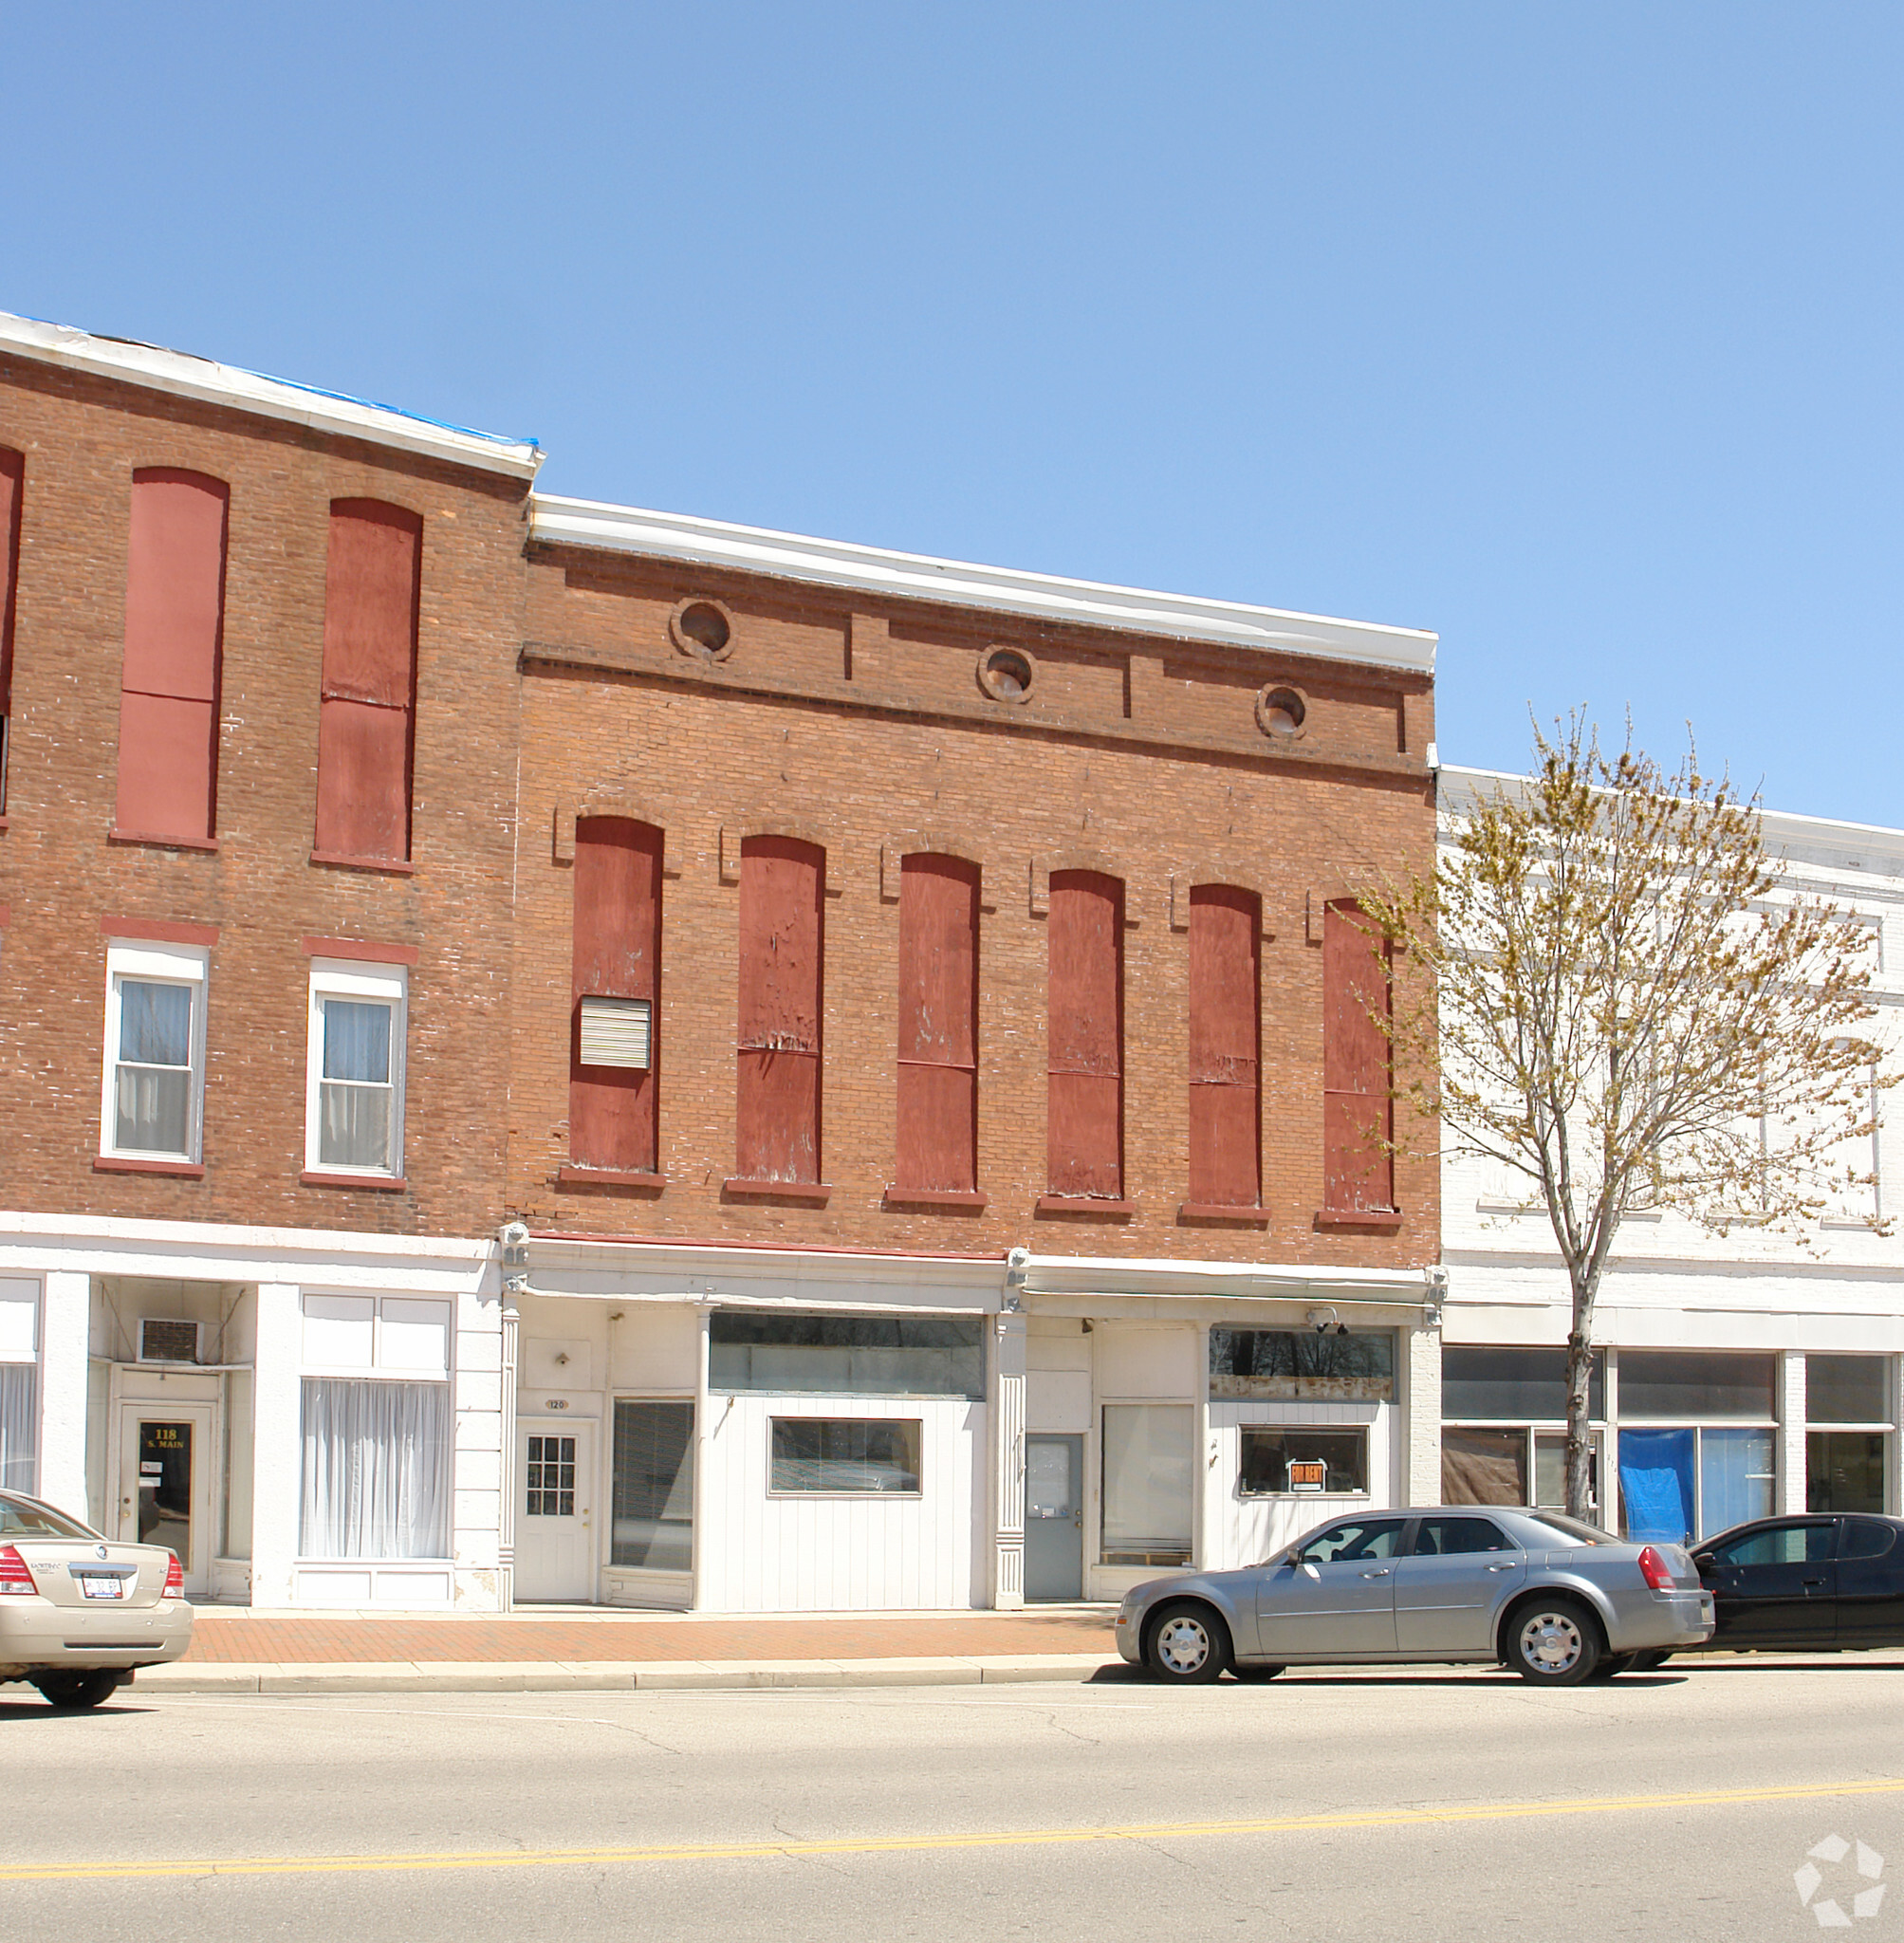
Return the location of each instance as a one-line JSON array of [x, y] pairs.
[[185, 376], [1783, 830], [1010, 590]]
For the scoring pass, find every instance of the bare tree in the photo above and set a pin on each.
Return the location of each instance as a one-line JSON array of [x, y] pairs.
[[1631, 1009]]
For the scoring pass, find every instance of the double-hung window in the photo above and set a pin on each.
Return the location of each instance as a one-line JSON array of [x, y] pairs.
[[152, 1105], [354, 1071]]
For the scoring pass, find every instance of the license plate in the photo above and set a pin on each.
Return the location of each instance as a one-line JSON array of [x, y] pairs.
[[103, 1588]]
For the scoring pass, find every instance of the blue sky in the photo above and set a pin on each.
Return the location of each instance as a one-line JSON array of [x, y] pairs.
[[1571, 332]]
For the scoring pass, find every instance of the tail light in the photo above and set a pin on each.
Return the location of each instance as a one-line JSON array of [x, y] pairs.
[[1654, 1569], [14, 1577], [174, 1578]]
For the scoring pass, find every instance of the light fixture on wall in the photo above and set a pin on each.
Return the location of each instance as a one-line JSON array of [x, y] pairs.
[[1323, 1321]]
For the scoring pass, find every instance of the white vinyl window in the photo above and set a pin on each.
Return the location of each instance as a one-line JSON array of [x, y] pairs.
[[354, 1070], [152, 1106]]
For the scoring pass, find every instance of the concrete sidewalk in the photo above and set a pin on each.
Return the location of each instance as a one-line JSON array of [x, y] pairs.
[[588, 1649]]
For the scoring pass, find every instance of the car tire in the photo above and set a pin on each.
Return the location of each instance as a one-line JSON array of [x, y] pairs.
[[79, 1690], [1646, 1663], [1254, 1670], [1614, 1663], [1553, 1641], [1188, 1644]]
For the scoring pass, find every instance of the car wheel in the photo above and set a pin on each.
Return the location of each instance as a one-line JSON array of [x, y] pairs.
[[1254, 1670], [79, 1690], [1189, 1644], [1553, 1641]]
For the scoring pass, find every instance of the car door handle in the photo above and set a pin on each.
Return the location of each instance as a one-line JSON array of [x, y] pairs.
[[1811, 1582], [1503, 1568], [1382, 1574]]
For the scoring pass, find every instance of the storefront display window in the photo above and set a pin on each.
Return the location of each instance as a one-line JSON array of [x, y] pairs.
[[846, 1355], [376, 1470], [1302, 1365], [1269, 1451], [1504, 1442], [653, 1486], [858, 1458], [1149, 1470], [1849, 1425]]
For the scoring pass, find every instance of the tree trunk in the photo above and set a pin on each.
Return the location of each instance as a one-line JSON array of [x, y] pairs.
[[1580, 1409]]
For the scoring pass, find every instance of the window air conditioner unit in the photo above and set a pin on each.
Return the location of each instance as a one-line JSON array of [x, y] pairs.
[[614, 1032], [163, 1338]]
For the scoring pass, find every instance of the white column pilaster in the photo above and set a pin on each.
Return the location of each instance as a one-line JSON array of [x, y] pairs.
[[1789, 1491], [1421, 1416], [1005, 1418], [278, 1457], [703, 1448], [506, 1511], [66, 1323]]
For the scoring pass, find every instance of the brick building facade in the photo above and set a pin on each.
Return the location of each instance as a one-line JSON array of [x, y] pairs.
[[180, 586], [910, 1012], [1012, 907]]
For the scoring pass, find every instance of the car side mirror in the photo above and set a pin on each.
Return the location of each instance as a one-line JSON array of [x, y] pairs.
[[1704, 1562]]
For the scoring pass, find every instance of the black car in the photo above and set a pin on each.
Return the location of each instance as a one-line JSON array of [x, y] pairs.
[[1828, 1582]]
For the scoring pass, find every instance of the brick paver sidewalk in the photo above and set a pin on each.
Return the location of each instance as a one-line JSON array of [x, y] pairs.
[[340, 1640]]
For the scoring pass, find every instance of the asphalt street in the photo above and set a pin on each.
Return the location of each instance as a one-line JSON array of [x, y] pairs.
[[1417, 1805]]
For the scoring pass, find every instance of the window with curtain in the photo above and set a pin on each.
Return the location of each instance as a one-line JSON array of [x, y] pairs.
[[154, 1050], [19, 1388], [355, 1094], [354, 1083], [153, 1074], [376, 1470]]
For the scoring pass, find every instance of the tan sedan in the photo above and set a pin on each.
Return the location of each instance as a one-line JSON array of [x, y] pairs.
[[78, 1613]]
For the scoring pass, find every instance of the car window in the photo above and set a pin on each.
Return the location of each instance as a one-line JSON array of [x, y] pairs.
[[1439, 1537], [22, 1518], [1354, 1538], [1866, 1537], [1574, 1530], [1778, 1544]]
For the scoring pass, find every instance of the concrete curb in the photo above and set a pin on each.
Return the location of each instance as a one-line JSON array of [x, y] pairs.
[[659, 1676]]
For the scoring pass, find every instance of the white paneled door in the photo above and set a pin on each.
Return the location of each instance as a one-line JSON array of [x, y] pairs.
[[555, 1512]]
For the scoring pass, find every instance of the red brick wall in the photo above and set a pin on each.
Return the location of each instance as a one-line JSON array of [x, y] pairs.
[[83, 438], [861, 726]]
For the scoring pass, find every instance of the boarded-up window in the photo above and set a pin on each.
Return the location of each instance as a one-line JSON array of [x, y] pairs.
[[939, 1025], [777, 1102], [12, 481], [1357, 1169], [175, 601], [1224, 1096], [613, 1120], [366, 715], [1084, 1104]]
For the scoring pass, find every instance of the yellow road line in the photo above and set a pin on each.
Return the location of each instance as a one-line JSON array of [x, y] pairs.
[[903, 1845]]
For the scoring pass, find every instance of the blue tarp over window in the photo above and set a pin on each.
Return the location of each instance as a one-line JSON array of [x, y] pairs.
[[1655, 1480]]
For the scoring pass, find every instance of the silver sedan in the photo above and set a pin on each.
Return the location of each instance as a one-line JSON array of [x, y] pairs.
[[1556, 1599], [78, 1613]]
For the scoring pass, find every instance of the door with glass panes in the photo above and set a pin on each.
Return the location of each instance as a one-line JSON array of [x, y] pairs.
[[555, 1512], [165, 1469]]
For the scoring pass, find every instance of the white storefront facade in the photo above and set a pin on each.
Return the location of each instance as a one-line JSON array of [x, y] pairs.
[[765, 1430], [1739, 1375], [308, 1418]]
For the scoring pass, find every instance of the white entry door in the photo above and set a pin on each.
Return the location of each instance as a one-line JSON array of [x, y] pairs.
[[555, 1512], [166, 1463]]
